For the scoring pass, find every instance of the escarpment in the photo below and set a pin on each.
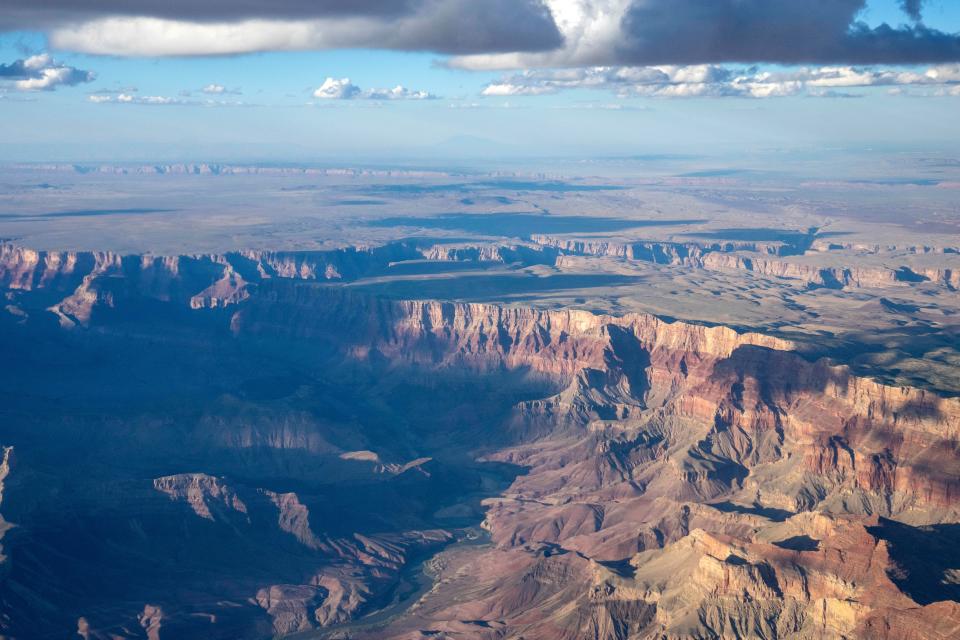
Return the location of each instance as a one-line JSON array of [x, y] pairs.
[[72, 284], [781, 259], [636, 477], [75, 282]]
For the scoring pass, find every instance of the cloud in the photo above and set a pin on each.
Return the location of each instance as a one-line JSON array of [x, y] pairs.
[[483, 105], [688, 32], [124, 97], [601, 106], [218, 27], [214, 89], [498, 34], [20, 14], [334, 89], [722, 81], [119, 89], [344, 89], [517, 89], [42, 73], [912, 8]]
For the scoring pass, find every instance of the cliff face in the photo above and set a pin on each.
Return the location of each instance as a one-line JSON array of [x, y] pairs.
[[769, 259], [77, 282], [521, 254], [633, 373], [690, 254], [5, 464], [652, 415], [74, 284], [679, 480], [832, 277]]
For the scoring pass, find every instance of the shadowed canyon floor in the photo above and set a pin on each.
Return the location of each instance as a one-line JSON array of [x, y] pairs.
[[533, 422]]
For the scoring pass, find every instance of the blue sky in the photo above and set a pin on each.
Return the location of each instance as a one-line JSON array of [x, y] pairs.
[[267, 109]]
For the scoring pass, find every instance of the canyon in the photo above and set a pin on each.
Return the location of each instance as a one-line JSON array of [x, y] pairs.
[[258, 443], [245, 401]]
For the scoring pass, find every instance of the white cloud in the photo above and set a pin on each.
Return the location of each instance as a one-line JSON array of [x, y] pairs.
[[344, 89], [334, 89], [721, 81], [510, 89], [399, 92], [38, 62], [127, 98], [42, 73], [142, 36], [215, 89]]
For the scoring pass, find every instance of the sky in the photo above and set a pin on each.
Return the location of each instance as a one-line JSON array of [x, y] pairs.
[[244, 81]]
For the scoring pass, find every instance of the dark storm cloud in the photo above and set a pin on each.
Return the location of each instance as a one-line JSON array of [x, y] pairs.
[[775, 31], [45, 13], [912, 8], [480, 26], [595, 32], [446, 26], [14, 70]]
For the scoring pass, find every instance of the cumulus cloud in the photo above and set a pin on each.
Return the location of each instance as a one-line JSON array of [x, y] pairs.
[[336, 89], [685, 32], [217, 27], [344, 89], [42, 73], [721, 81]]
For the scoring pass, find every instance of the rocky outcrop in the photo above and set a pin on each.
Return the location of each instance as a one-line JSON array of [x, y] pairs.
[[206, 495]]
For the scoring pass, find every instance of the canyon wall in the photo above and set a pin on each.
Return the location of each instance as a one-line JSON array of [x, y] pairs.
[[679, 480]]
